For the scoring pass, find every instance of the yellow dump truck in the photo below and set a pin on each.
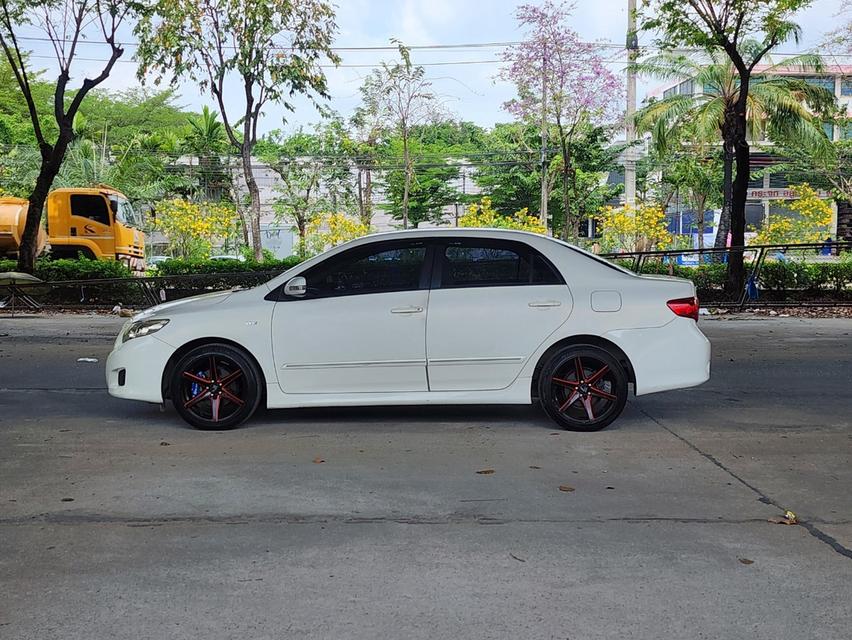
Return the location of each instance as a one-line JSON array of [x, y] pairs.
[[95, 222]]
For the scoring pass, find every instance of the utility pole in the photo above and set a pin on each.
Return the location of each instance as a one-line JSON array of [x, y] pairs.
[[630, 127], [544, 193]]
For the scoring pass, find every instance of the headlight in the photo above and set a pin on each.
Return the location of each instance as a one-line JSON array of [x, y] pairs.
[[143, 328]]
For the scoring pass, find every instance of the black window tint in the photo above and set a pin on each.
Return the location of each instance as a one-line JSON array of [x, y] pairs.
[[489, 266], [492, 264], [91, 207], [543, 272], [391, 269]]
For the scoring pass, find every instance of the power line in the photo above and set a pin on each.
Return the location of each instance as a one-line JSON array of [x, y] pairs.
[[432, 47]]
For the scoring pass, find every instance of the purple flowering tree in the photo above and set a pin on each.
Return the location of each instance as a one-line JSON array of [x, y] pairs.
[[565, 82]]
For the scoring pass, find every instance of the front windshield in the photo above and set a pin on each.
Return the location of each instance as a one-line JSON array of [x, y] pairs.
[[124, 212]]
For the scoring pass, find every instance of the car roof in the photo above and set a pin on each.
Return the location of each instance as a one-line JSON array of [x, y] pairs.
[[438, 232]]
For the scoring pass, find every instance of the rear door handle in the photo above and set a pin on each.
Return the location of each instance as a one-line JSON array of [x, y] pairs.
[[407, 310], [545, 303]]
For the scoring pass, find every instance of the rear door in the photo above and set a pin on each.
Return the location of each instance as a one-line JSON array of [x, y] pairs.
[[493, 302]]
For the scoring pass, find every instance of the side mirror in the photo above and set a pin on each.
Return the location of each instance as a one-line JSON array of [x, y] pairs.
[[296, 287]]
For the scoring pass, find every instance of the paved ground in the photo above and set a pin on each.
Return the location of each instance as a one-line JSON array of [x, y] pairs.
[[117, 521]]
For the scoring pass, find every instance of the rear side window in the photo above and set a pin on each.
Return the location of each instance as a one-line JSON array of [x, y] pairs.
[[495, 264], [93, 207], [372, 271]]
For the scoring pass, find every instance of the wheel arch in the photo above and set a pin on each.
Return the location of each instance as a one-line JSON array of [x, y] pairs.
[[199, 342], [592, 340]]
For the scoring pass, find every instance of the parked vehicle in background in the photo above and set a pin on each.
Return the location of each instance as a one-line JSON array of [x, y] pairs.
[[153, 261], [98, 223], [453, 316], [227, 257]]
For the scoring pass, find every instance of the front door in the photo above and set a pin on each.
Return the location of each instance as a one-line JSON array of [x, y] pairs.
[[492, 305], [361, 326]]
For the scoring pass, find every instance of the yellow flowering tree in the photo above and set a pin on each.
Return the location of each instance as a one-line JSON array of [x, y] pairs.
[[332, 229], [631, 228], [482, 214], [811, 221], [193, 228]]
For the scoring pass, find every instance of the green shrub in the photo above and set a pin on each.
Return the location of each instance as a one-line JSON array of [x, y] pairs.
[[179, 267], [66, 269]]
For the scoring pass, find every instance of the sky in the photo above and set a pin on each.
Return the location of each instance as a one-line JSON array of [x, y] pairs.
[[468, 91]]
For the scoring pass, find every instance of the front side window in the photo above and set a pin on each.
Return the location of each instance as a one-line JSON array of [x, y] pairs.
[[494, 264], [368, 270], [124, 212], [93, 207]]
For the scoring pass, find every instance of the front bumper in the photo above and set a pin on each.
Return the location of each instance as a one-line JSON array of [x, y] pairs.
[[134, 369]]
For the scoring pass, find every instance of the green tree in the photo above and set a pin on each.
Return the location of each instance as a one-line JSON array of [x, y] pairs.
[[431, 187], [777, 105], [744, 31], [120, 117], [699, 178], [314, 171], [63, 24], [404, 94], [511, 172], [271, 49]]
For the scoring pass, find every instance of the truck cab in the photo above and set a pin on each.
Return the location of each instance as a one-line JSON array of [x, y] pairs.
[[97, 222]]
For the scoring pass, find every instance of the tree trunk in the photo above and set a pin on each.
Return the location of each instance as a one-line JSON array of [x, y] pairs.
[[254, 202], [407, 188], [736, 269], [727, 197], [51, 161], [368, 197], [699, 221]]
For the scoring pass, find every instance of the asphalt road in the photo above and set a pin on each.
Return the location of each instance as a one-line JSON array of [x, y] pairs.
[[117, 521]]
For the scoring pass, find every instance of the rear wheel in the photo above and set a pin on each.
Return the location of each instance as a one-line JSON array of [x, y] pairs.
[[583, 388], [215, 386]]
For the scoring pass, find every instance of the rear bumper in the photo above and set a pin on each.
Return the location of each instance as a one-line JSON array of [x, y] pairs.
[[674, 356], [134, 370]]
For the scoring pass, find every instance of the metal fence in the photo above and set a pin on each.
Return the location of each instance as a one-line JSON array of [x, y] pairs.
[[803, 274], [777, 275]]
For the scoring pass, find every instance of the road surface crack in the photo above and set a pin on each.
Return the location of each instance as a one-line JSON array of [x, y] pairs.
[[808, 525]]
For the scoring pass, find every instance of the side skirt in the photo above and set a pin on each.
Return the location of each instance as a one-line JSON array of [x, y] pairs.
[[517, 393]]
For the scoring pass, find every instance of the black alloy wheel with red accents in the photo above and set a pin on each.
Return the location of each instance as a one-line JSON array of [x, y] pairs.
[[583, 387], [215, 386]]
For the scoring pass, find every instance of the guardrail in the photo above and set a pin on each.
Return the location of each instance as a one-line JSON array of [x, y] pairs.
[[798, 281]]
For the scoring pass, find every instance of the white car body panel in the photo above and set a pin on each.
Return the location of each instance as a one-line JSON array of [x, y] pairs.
[[360, 343], [467, 345], [479, 339]]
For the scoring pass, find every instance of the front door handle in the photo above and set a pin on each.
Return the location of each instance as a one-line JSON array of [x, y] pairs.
[[407, 310], [545, 303]]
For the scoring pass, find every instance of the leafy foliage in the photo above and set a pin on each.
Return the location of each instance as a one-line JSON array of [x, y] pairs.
[[273, 49], [810, 222], [483, 215], [193, 228], [182, 267], [634, 228], [560, 77], [67, 269], [333, 229]]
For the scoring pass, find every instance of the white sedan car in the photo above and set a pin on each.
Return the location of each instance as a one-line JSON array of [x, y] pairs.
[[452, 316]]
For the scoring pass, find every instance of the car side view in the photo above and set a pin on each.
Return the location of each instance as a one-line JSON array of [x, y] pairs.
[[438, 316]]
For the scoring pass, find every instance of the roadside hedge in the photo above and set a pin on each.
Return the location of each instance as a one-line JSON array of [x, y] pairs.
[[68, 269], [179, 267]]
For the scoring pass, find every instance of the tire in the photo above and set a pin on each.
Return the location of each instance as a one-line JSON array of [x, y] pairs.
[[583, 388], [216, 387]]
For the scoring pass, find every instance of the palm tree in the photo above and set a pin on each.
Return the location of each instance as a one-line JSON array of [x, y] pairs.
[[778, 106]]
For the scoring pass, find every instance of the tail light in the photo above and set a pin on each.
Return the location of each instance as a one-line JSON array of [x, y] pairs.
[[685, 307]]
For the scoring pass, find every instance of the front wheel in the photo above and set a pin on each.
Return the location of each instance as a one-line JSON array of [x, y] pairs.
[[215, 386], [583, 388]]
